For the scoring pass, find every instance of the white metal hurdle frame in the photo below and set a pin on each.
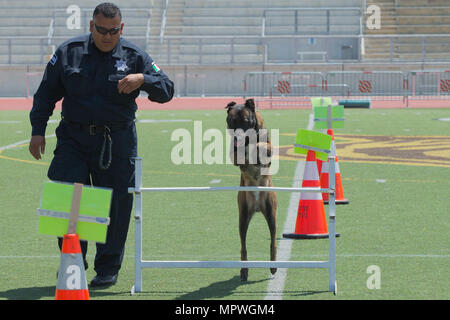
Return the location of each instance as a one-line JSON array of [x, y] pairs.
[[140, 264]]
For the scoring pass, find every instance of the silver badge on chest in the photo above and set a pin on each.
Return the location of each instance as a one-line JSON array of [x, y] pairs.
[[121, 65]]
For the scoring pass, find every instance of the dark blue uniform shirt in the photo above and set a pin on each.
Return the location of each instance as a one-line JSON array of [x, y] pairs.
[[87, 79]]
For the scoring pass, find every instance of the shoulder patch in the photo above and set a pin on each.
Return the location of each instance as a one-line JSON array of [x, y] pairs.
[[155, 67], [53, 59]]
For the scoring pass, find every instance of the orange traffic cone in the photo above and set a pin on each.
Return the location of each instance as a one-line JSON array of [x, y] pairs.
[[311, 221], [319, 166], [339, 191], [72, 283], [318, 161]]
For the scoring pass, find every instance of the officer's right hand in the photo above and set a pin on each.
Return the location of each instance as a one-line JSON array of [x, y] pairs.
[[37, 146]]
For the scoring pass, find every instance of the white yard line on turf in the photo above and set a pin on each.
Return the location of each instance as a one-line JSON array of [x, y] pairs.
[[276, 283], [13, 145]]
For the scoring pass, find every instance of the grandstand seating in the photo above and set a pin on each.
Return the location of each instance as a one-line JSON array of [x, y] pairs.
[[380, 48], [229, 32], [201, 21], [423, 17], [27, 23], [410, 17]]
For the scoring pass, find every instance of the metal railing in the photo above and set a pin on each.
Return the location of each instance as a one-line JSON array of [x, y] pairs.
[[147, 32], [284, 88], [224, 50], [163, 21], [51, 31], [295, 13], [204, 50]]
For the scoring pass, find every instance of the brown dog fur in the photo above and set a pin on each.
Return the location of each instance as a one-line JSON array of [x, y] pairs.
[[245, 117]]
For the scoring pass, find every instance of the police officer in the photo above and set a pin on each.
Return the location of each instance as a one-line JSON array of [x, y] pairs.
[[99, 75]]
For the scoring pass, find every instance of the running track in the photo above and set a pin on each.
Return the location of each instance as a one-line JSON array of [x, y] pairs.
[[217, 103]]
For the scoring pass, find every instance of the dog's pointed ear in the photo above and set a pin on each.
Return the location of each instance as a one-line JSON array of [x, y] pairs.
[[228, 107], [250, 103]]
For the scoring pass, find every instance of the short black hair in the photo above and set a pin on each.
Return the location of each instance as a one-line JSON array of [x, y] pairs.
[[108, 10]]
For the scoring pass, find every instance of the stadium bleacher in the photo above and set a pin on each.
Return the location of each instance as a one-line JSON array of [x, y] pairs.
[[239, 35], [424, 17], [405, 20], [195, 27], [223, 32], [26, 26]]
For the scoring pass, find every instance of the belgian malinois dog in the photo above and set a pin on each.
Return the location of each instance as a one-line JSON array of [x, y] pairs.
[[251, 142]]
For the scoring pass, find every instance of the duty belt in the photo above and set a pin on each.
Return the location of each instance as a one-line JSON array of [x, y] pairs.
[[106, 129], [94, 129]]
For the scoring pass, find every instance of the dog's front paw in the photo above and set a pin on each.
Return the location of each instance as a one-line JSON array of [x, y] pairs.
[[264, 155]]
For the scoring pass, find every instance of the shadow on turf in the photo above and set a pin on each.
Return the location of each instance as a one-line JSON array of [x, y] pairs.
[[224, 289], [32, 293], [36, 293], [217, 290]]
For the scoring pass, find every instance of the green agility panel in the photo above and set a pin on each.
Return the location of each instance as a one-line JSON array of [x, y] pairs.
[[55, 210], [306, 140], [321, 102], [321, 117]]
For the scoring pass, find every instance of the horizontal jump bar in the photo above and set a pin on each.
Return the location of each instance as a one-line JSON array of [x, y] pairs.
[[234, 264], [249, 188], [326, 119], [66, 215]]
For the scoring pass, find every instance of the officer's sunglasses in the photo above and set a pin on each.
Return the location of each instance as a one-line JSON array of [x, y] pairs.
[[105, 31]]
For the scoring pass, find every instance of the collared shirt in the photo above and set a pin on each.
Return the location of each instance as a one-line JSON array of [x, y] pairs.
[[87, 79]]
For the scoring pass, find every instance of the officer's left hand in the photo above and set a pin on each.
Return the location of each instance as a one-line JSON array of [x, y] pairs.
[[130, 83]]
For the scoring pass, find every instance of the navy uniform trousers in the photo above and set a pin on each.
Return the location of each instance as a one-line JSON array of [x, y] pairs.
[[76, 159]]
